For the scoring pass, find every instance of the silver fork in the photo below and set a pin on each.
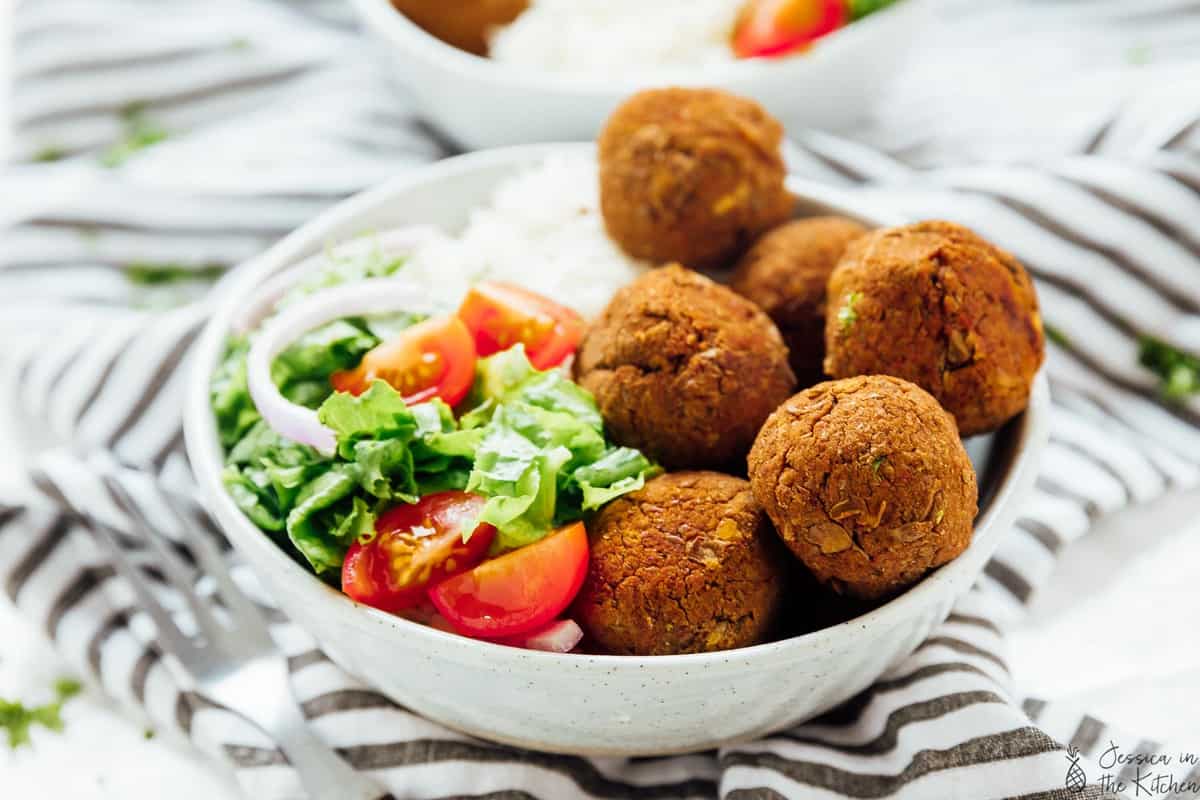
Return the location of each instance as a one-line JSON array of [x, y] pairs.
[[232, 658]]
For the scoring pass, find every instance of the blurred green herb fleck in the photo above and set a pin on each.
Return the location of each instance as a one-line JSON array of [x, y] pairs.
[[877, 464], [89, 235], [1056, 335], [139, 132], [49, 153], [17, 719], [1178, 371], [145, 273], [1138, 55], [861, 8], [846, 315], [239, 43]]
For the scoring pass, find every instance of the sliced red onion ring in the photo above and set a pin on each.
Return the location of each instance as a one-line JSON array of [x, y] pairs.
[[560, 636], [376, 296], [391, 243]]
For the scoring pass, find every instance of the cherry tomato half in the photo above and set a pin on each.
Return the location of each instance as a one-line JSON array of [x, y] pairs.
[[518, 592], [434, 358], [778, 27], [499, 315], [415, 546]]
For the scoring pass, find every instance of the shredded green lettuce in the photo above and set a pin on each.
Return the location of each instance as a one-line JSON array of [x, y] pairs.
[[508, 376], [543, 460], [340, 269], [530, 442], [320, 525], [619, 471], [535, 443], [229, 393], [287, 489], [378, 413], [265, 474], [318, 354]]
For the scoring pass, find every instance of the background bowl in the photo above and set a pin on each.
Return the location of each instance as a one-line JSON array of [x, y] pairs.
[[585, 704], [482, 103]]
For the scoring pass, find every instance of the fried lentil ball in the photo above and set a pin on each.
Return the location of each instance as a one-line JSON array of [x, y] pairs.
[[937, 305], [687, 564], [465, 24], [684, 369], [691, 175], [867, 482], [785, 273]]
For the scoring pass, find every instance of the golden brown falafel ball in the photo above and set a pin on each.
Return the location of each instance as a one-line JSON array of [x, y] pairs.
[[867, 482], [684, 369], [690, 175], [688, 564], [937, 305], [785, 273], [464, 24]]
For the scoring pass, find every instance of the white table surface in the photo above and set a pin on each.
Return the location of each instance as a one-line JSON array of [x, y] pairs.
[[1114, 634]]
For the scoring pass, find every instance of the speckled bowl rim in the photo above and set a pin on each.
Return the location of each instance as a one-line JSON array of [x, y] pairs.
[[1029, 431], [394, 27]]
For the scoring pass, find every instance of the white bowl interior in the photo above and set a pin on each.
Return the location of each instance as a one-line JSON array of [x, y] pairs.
[[548, 701]]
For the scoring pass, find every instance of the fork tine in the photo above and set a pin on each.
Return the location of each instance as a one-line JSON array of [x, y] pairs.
[[173, 566], [172, 639], [245, 613]]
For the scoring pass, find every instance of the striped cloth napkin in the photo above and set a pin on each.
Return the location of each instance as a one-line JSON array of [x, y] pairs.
[[159, 138]]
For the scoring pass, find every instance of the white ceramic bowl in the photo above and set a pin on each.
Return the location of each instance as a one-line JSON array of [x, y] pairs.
[[586, 704], [482, 103]]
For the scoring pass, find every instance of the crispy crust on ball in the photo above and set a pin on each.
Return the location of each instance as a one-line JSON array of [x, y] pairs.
[[688, 564], [937, 305], [691, 175], [867, 483], [785, 274], [684, 369]]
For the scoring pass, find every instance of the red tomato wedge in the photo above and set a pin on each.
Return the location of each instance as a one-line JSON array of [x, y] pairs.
[[415, 546], [518, 592], [499, 315], [434, 358], [779, 27]]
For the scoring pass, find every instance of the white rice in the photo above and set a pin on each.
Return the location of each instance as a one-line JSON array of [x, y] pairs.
[[618, 36], [542, 230]]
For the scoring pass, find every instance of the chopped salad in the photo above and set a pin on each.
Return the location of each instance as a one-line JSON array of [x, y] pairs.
[[429, 463]]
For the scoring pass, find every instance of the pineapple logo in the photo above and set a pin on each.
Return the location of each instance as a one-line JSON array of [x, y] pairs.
[[1076, 778]]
